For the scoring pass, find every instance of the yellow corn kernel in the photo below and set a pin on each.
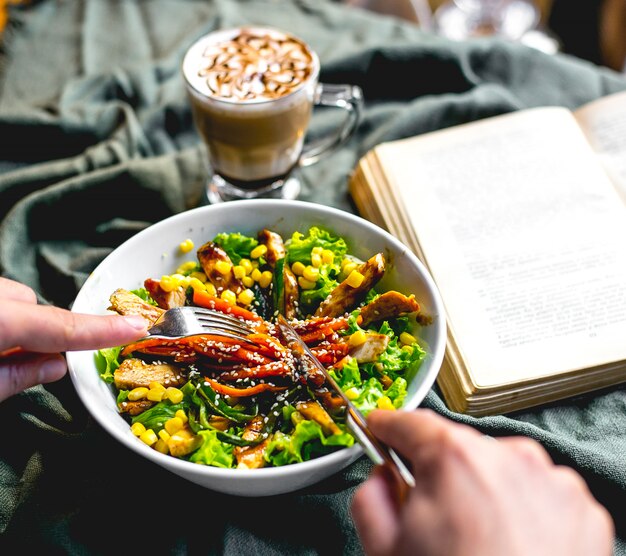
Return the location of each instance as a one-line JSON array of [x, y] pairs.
[[181, 415], [154, 385], [164, 435], [148, 437], [247, 265], [199, 276], [138, 393], [357, 338], [355, 279], [317, 250], [161, 446], [311, 273], [239, 271], [408, 349], [297, 268], [196, 285], [258, 251], [348, 268], [186, 246], [186, 267], [328, 256], [385, 403], [345, 261], [137, 429], [316, 260], [407, 339], [155, 395], [229, 296], [223, 267], [210, 288], [167, 284], [247, 281], [352, 393], [246, 297], [174, 394], [305, 284], [173, 425], [256, 275], [266, 279]]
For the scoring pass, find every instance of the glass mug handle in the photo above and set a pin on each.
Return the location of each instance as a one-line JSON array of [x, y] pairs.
[[348, 97]]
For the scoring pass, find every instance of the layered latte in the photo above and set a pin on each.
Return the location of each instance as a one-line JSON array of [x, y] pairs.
[[251, 91]]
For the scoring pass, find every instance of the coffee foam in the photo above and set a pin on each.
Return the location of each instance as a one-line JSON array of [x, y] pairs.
[[248, 65]]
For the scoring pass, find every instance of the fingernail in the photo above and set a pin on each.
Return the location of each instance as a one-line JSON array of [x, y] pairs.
[[136, 322], [52, 369]]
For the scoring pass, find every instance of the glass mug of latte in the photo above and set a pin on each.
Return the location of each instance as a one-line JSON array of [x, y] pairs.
[[252, 91]]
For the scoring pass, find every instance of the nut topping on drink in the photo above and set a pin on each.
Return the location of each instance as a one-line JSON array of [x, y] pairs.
[[252, 91], [254, 66]]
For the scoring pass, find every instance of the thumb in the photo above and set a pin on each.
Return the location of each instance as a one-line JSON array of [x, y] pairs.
[[23, 371]]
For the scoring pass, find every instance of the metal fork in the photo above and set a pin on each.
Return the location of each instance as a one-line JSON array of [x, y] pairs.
[[190, 321]]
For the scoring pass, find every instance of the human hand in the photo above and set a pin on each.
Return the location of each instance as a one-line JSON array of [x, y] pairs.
[[33, 336], [475, 495]]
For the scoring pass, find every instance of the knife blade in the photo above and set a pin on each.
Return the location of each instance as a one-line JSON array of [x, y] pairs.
[[378, 452]]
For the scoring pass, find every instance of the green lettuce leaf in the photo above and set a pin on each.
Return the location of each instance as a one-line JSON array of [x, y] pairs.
[[299, 246], [213, 451], [326, 283], [107, 362], [348, 376], [236, 245], [145, 295], [397, 392], [306, 442]]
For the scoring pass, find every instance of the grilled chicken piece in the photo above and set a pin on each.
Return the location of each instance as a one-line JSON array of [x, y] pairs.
[[369, 350], [388, 305], [183, 442], [208, 255], [251, 457], [344, 297], [125, 303], [133, 373], [136, 407], [166, 300], [313, 411], [274, 244], [291, 292]]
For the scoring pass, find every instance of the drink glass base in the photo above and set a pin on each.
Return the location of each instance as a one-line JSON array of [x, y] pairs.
[[220, 191]]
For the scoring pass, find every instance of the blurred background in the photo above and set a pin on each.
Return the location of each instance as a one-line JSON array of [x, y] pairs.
[[594, 30]]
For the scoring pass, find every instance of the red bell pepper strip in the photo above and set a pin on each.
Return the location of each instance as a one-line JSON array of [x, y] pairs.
[[203, 299], [226, 390]]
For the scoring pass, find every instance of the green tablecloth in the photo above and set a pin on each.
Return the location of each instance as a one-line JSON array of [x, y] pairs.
[[96, 143]]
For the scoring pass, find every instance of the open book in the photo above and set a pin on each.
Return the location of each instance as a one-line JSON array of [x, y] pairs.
[[521, 220]]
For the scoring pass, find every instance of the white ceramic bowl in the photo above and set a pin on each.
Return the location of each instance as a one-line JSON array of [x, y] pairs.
[[154, 252]]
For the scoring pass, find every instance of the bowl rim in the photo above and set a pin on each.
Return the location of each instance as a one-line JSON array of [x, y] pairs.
[[435, 353]]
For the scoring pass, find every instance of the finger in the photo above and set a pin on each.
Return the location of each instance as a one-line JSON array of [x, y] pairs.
[[411, 433], [9, 289], [527, 449], [375, 516], [23, 371], [50, 329]]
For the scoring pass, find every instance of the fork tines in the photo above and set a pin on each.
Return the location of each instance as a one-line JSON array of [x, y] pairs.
[[215, 319]]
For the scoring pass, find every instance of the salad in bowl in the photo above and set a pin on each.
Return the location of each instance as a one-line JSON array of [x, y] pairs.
[[181, 419], [216, 400]]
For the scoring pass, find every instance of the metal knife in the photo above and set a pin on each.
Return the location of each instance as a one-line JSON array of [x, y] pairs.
[[378, 452]]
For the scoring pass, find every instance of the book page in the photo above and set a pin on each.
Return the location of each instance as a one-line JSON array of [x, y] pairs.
[[522, 231], [604, 123]]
